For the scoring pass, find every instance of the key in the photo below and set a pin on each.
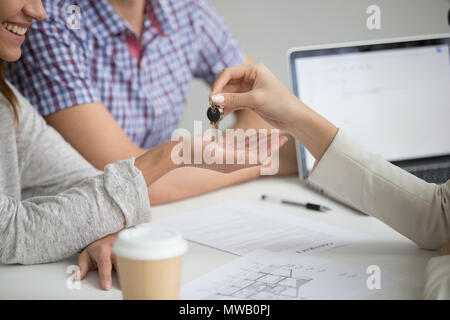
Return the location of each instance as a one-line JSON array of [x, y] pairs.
[[215, 115]]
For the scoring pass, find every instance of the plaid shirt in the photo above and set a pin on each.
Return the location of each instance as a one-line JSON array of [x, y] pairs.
[[181, 39]]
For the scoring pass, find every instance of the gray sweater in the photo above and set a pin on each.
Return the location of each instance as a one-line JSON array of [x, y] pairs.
[[53, 203]]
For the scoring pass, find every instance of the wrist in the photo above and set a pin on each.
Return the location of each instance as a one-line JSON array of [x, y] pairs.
[[156, 162], [297, 113], [312, 130]]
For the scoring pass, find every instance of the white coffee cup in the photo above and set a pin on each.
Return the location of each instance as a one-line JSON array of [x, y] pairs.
[[149, 259]]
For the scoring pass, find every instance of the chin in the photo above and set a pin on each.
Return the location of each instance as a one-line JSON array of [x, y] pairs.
[[10, 56]]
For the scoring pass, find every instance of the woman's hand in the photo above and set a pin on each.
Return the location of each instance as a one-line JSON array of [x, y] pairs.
[[254, 87], [99, 255]]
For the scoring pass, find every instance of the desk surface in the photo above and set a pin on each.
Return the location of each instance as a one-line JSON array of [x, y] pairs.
[[385, 248]]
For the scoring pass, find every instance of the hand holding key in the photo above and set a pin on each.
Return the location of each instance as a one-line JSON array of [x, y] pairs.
[[255, 88]]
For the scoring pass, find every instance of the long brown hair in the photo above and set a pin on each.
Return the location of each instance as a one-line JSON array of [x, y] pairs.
[[6, 90]]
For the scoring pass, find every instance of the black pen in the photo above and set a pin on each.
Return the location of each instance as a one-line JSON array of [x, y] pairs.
[[307, 205]]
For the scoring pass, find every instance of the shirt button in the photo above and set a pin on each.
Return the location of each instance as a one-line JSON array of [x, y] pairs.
[[143, 63], [157, 112]]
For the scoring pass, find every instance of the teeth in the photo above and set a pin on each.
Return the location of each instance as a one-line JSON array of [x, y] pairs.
[[15, 29]]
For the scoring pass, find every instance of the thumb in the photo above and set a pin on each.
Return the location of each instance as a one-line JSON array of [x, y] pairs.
[[234, 101]]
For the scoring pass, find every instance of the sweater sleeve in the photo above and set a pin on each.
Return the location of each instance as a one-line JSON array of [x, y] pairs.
[[49, 228], [415, 208], [79, 205], [47, 163]]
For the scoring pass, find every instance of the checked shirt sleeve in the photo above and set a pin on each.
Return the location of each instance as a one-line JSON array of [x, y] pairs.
[[219, 49]]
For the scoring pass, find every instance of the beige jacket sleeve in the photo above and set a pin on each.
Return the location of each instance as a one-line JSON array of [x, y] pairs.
[[437, 278], [415, 208]]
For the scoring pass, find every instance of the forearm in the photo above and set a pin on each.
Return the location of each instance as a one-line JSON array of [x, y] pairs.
[[437, 279], [415, 208], [311, 129], [49, 228], [156, 162], [189, 182]]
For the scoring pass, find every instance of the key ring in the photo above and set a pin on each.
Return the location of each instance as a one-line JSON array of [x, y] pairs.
[[215, 113]]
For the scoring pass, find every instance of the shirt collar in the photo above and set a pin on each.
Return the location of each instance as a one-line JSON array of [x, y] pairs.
[[103, 21], [165, 14]]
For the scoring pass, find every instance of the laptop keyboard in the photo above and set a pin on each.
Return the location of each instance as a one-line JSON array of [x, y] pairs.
[[438, 174]]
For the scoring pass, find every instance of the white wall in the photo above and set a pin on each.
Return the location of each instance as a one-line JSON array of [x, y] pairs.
[[268, 28]]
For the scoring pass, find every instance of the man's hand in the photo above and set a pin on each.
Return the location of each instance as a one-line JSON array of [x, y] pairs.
[[247, 119], [242, 153], [98, 255]]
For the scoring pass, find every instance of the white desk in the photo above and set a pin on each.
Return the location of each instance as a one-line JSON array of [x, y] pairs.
[[386, 248]]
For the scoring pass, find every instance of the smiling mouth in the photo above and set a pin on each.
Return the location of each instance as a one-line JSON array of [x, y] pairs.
[[15, 29]]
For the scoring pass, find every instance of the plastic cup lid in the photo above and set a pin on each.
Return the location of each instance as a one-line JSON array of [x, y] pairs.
[[149, 242]]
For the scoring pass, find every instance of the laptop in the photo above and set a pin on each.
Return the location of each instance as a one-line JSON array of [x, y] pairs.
[[393, 96]]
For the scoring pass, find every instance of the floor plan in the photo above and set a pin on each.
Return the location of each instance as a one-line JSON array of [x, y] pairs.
[[266, 275], [271, 282]]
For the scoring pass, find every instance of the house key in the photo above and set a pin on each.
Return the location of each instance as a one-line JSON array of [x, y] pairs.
[[215, 115]]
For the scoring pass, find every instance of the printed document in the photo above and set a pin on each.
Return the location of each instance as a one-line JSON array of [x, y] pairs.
[[243, 227], [265, 275]]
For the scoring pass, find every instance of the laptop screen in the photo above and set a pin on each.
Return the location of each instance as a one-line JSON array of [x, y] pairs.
[[393, 98]]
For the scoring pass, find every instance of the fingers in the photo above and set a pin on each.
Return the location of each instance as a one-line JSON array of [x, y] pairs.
[[234, 101], [99, 255], [84, 263], [241, 151], [114, 262], [227, 75], [258, 148], [267, 144], [235, 86], [229, 91], [281, 141], [104, 265]]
